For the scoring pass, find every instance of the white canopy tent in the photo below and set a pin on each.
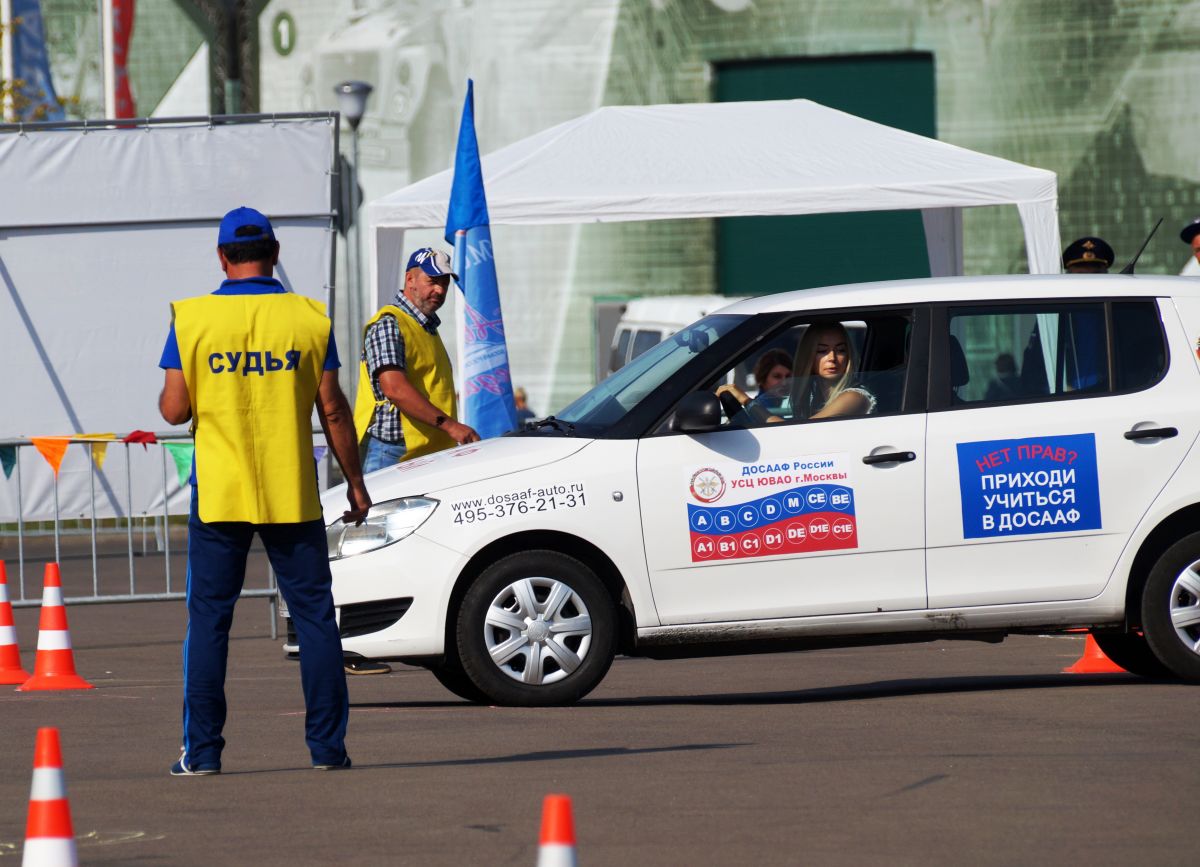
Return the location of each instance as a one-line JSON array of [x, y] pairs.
[[659, 162]]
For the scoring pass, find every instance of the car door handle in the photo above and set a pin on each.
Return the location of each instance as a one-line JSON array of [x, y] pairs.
[[892, 458], [1152, 433]]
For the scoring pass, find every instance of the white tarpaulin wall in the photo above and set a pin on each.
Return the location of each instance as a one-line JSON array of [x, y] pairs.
[[733, 159], [99, 230]]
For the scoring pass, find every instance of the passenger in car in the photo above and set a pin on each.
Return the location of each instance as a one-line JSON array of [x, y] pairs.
[[1006, 384], [828, 386], [825, 382], [772, 374]]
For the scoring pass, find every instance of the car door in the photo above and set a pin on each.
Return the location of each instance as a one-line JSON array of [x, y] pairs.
[[1053, 427], [795, 518]]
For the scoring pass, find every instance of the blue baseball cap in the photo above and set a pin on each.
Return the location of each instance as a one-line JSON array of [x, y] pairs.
[[244, 224], [433, 262]]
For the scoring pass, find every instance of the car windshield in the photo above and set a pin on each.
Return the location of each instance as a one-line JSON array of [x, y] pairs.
[[609, 401]]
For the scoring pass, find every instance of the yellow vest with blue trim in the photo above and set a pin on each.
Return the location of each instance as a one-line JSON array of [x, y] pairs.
[[427, 368], [253, 366]]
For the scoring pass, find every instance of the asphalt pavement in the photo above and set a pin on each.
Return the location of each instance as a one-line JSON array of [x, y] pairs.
[[942, 753]]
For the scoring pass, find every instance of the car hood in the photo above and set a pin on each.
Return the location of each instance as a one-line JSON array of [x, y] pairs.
[[449, 469]]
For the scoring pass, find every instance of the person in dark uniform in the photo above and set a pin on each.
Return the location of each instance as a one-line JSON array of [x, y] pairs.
[[1088, 256], [1189, 234]]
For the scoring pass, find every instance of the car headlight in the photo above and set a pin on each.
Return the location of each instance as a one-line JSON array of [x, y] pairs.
[[386, 523]]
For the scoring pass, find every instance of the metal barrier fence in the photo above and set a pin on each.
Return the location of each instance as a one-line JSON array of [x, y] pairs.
[[25, 533]]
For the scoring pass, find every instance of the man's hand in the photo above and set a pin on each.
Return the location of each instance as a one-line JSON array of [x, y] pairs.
[[338, 422], [360, 504], [395, 387], [459, 432]]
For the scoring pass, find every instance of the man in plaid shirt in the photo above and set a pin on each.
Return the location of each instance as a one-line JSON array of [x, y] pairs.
[[426, 283]]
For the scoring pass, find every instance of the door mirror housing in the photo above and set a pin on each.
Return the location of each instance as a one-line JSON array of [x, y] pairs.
[[698, 412]]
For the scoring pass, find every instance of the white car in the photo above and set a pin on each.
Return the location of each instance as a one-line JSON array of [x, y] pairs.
[[1027, 464]]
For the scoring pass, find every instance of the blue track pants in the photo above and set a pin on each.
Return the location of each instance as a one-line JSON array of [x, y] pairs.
[[216, 570]]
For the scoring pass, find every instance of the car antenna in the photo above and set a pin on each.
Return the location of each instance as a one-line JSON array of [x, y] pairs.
[[1128, 269]]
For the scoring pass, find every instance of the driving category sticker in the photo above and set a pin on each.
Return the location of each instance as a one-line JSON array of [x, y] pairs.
[[1034, 485], [738, 511]]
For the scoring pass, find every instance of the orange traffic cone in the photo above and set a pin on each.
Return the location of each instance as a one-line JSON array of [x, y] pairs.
[[49, 840], [10, 655], [1094, 661], [557, 845], [54, 667]]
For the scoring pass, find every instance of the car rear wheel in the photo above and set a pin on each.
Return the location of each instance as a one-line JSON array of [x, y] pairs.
[[1171, 608], [1132, 652], [536, 628]]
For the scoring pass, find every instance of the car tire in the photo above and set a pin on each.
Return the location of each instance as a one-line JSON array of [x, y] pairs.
[[451, 676], [535, 629], [1171, 608], [1132, 652]]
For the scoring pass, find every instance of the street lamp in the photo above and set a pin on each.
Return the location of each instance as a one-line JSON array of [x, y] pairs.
[[352, 103]]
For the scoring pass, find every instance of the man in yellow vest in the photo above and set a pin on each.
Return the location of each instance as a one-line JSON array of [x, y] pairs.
[[405, 405], [248, 363]]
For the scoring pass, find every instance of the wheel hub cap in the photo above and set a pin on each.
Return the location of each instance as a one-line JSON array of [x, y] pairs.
[[537, 630]]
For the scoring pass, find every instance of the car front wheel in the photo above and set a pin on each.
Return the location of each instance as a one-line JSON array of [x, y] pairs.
[[536, 628], [1171, 608]]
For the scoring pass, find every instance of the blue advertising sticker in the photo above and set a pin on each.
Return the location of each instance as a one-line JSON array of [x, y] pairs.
[[1034, 485]]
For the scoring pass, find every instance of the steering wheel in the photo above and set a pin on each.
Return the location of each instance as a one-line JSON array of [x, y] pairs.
[[730, 404]]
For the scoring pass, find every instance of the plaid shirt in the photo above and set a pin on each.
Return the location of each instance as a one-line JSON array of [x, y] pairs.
[[384, 347]]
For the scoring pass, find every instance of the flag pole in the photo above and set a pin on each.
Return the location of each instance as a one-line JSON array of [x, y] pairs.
[[108, 55], [7, 110]]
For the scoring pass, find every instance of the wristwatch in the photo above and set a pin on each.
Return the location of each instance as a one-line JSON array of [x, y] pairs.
[[439, 421]]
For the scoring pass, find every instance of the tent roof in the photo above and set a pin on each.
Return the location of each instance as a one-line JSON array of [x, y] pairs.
[[717, 160]]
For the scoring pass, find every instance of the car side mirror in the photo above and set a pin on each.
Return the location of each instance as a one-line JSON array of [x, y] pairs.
[[698, 412]]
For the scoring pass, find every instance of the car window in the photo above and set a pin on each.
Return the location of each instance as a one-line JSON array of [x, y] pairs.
[[1140, 352], [619, 351], [645, 339], [814, 368], [1027, 352], [615, 396]]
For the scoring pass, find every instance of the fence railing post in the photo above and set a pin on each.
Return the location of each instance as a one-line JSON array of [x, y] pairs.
[[92, 481], [20, 527], [166, 516], [129, 516]]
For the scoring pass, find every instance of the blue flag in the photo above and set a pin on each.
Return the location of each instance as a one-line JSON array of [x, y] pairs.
[[487, 387], [36, 99]]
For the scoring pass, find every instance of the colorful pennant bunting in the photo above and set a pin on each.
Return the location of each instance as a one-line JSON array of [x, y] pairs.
[[8, 458], [99, 446], [52, 449], [181, 453], [140, 436]]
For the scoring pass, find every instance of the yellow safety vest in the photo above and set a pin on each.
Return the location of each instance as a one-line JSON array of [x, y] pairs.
[[253, 366], [427, 367]]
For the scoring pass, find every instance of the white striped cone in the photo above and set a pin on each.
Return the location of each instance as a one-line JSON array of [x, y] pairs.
[[556, 847], [49, 838], [10, 655], [54, 667]]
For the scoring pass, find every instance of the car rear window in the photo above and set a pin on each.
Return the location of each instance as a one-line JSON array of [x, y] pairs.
[[1139, 350], [1022, 352]]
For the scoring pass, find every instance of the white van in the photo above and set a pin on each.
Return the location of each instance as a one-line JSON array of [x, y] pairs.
[[952, 458], [646, 322]]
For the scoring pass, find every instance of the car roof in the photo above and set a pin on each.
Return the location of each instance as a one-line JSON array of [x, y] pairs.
[[998, 288]]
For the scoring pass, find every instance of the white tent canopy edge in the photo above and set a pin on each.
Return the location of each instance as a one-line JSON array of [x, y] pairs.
[[704, 160]]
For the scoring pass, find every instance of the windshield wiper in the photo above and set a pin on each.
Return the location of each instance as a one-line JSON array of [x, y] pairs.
[[555, 423]]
